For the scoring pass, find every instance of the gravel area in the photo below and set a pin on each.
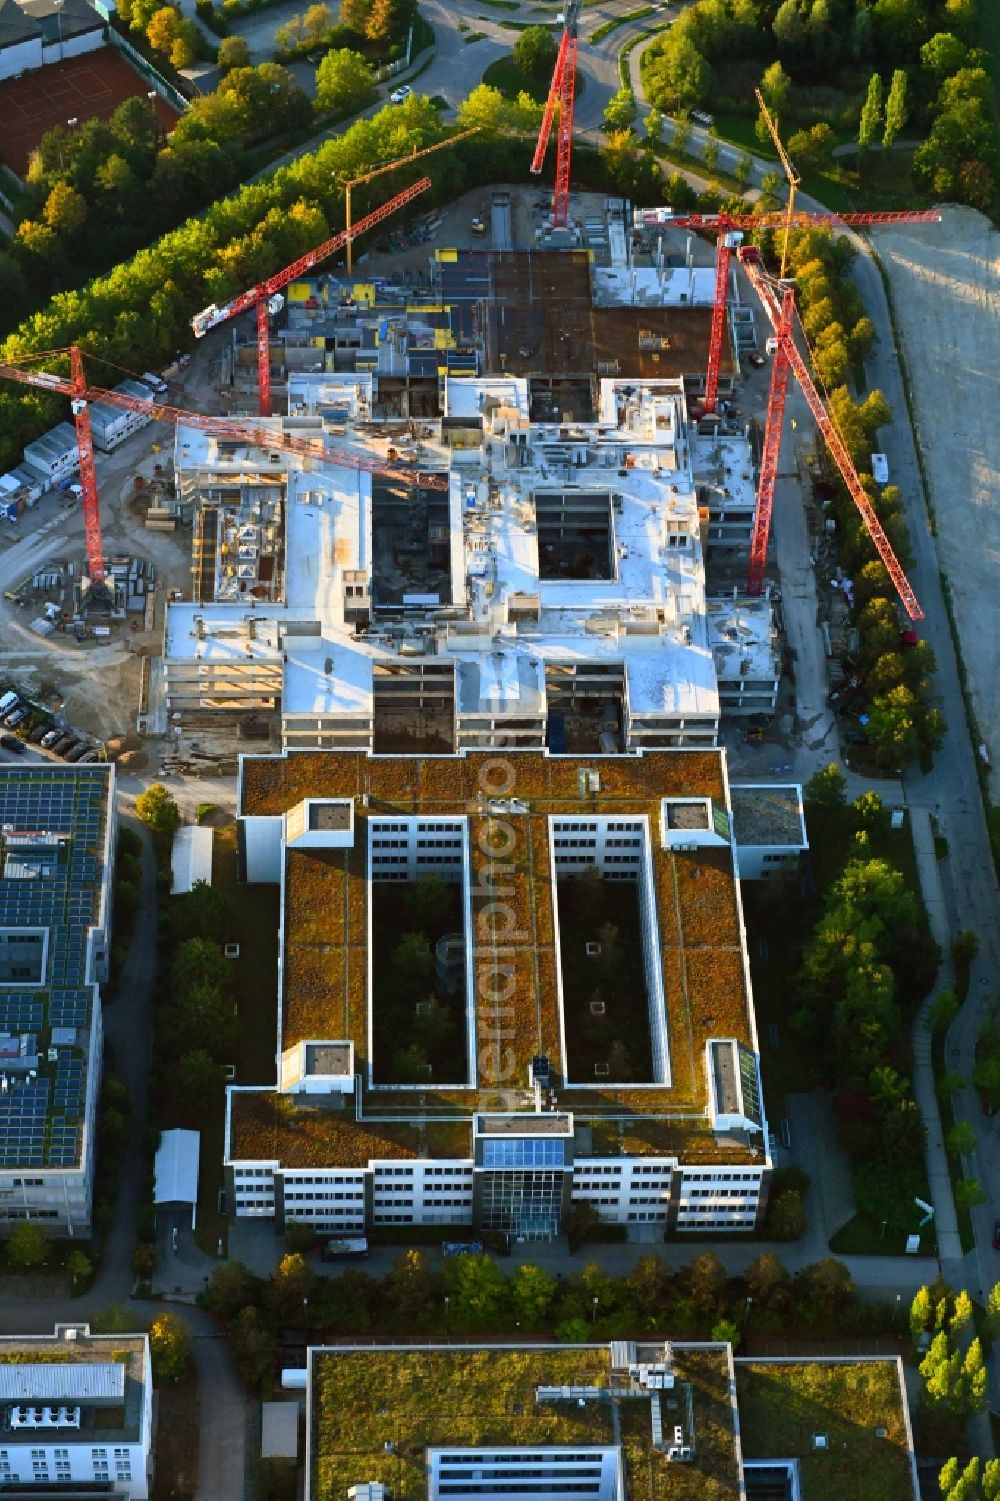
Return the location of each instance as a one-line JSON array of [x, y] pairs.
[[946, 291]]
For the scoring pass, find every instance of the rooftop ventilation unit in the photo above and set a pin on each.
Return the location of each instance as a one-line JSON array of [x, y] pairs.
[[45, 1417]]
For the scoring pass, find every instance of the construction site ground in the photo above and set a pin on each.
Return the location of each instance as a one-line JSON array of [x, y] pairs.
[[946, 297], [92, 685]]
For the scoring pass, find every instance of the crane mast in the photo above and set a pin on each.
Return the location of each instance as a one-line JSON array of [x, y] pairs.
[[561, 96], [728, 228], [776, 310]]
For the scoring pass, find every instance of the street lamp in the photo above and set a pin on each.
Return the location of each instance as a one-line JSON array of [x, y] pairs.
[[895, 1311], [593, 1315], [746, 1310], [447, 1305]]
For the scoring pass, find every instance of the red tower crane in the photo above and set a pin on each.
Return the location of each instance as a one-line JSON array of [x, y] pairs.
[[728, 227], [781, 314], [82, 395], [262, 294], [561, 96]]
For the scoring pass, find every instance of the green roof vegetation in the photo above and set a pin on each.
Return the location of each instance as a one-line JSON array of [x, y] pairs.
[[784, 1404], [413, 1399]]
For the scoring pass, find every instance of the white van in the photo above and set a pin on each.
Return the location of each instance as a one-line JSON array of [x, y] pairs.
[[880, 468], [158, 385], [7, 702]]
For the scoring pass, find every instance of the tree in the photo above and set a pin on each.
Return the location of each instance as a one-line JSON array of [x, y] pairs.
[[680, 135], [961, 1139], [65, 209], [27, 1246], [194, 1080], [79, 1266], [428, 902], [941, 1012], [157, 808], [170, 1347], [743, 170], [766, 1278], [968, 1193], [344, 82], [895, 108], [620, 111], [535, 52], [184, 47], [199, 961], [920, 1311], [829, 1281], [993, 1310], [677, 75], [478, 1291], [316, 24], [774, 85], [710, 152], [726, 1332], [144, 1261], [871, 112], [162, 29], [706, 1280], [254, 1347], [962, 1314], [827, 788], [412, 1290], [232, 1287], [944, 54], [532, 1291], [786, 1215], [292, 1283], [234, 53], [654, 127], [381, 21], [951, 1084], [354, 14], [974, 1378]]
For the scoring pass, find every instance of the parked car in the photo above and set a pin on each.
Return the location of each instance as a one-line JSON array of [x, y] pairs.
[[50, 737], [8, 702], [400, 95], [11, 743], [702, 117], [38, 733], [17, 717], [80, 749], [65, 743], [87, 756]]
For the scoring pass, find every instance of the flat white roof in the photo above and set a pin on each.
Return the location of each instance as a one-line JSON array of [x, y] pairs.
[[279, 1430], [190, 859], [176, 1167], [56, 1382]]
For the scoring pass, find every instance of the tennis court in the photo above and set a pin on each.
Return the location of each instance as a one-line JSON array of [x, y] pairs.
[[80, 87]]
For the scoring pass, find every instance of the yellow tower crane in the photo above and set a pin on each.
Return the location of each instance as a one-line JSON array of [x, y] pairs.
[[792, 177], [401, 161]]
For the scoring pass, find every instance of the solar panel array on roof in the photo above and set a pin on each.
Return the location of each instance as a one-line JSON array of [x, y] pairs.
[[38, 804], [24, 1108]]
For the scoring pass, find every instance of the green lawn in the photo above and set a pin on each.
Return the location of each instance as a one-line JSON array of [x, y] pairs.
[[505, 75], [862, 1236]]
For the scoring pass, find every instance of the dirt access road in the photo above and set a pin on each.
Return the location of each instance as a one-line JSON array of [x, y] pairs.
[[946, 296]]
